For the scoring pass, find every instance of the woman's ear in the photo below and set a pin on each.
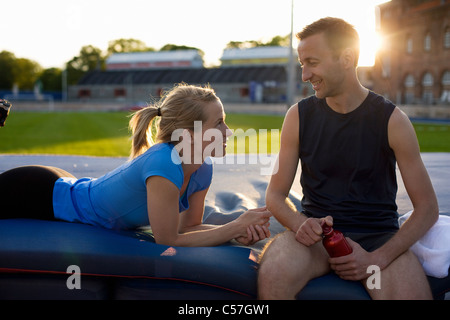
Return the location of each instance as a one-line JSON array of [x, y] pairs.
[[184, 145], [188, 136]]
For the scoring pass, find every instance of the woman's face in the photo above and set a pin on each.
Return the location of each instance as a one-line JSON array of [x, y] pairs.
[[215, 131]]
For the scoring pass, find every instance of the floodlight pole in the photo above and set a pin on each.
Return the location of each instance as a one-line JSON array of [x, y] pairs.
[[64, 83], [291, 64]]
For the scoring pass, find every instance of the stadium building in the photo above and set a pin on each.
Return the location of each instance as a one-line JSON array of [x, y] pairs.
[[247, 75]]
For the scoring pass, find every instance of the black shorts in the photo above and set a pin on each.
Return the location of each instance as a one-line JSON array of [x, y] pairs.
[[27, 192], [370, 241]]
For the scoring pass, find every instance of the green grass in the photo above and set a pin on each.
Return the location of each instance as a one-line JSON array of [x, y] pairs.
[[106, 134], [254, 133], [433, 137], [96, 134]]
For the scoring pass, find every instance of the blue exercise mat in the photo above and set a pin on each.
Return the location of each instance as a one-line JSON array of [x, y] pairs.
[[35, 255]]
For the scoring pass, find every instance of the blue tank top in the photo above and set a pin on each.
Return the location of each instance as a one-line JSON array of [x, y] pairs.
[[348, 167], [118, 200]]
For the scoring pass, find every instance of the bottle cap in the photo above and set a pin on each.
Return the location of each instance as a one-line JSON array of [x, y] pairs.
[[326, 229]]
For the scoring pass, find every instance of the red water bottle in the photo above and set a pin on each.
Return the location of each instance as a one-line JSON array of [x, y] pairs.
[[334, 242]]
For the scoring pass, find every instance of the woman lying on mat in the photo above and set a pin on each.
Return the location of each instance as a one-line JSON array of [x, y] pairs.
[[164, 184]]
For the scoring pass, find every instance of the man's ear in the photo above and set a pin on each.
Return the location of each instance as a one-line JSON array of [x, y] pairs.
[[348, 58]]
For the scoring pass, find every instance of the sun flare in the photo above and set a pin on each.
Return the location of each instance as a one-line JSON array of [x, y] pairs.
[[369, 48]]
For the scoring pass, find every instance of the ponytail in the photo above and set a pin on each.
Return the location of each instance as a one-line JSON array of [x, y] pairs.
[[142, 125]]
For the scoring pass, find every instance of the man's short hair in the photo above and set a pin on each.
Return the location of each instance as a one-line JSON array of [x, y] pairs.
[[339, 34]]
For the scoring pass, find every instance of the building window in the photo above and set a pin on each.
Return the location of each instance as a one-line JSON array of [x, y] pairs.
[[409, 84], [409, 44], [243, 92], [427, 83], [409, 81], [84, 93], [427, 42], [445, 97], [385, 58], [447, 38], [446, 78], [427, 80], [119, 93], [386, 66]]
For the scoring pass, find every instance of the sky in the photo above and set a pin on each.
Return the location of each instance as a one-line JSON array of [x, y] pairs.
[[52, 32]]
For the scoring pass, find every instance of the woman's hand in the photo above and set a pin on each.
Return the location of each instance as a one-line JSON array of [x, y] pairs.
[[258, 216], [255, 234], [253, 225]]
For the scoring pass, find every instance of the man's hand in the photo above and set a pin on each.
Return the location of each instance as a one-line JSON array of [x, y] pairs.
[[310, 232], [353, 266]]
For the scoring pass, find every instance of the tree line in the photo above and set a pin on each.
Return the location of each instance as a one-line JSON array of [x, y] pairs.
[[25, 73]]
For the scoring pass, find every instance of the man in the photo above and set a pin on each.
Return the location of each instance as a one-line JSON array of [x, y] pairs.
[[348, 140]]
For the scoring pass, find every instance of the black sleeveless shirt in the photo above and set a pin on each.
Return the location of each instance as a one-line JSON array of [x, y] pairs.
[[348, 167]]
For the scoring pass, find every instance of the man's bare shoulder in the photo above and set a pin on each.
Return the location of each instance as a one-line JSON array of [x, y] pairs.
[[398, 117], [291, 114], [293, 110]]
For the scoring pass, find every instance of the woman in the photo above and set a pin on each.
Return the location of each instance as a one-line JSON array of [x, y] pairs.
[[164, 184]]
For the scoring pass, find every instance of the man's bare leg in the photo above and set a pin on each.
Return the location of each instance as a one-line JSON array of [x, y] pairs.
[[286, 267], [403, 279]]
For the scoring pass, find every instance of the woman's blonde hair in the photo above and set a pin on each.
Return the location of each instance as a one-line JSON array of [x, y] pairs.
[[179, 108]]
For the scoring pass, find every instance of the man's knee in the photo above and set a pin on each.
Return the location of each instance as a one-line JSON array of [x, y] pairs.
[[285, 248], [275, 246], [274, 255], [277, 268], [288, 265], [404, 278]]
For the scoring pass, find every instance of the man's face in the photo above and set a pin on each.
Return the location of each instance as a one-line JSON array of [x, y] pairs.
[[320, 66]]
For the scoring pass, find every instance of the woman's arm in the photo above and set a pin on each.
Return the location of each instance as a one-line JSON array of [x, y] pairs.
[[170, 228], [192, 220]]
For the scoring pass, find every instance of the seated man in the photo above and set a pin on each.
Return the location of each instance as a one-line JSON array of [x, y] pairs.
[[348, 140]]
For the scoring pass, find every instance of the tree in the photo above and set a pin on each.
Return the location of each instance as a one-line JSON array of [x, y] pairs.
[[275, 41], [51, 79], [243, 44], [26, 73], [175, 47], [7, 60], [90, 58], [127, 45], [279, 41], [18, 71]]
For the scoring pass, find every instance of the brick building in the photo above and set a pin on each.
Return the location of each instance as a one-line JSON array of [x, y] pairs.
[[413, 65]]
